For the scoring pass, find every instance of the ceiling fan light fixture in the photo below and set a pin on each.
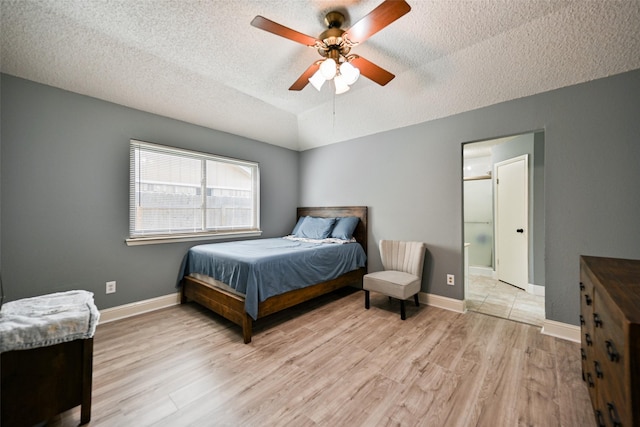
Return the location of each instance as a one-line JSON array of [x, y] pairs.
[[335, 44], [328, 68], [349, 73], [341, 85], [317, 80]]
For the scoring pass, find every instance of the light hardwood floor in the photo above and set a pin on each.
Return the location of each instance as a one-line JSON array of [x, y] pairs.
[[330, 362]]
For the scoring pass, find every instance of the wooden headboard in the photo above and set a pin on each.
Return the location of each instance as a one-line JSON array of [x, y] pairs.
[[361, 231]]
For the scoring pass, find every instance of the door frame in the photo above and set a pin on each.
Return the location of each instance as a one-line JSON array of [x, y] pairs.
[[496, 222]]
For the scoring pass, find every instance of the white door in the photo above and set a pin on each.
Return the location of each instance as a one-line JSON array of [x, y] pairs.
[[512, 232]]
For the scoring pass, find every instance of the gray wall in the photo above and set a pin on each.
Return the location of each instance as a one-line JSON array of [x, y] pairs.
[[0, 183], [65, 193], [65, 172], [411, 179]]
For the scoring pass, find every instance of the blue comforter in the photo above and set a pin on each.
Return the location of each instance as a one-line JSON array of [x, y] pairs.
[[266, 267]]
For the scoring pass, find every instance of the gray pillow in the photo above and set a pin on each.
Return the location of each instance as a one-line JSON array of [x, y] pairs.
[[315, 228], [298, 224], [344, 227]]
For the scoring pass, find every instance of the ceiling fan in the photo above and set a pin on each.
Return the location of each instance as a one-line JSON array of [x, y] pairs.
[[334, 45]]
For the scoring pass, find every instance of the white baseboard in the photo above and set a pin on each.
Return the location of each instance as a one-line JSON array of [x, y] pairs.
[[127, 310], [550, 327], [561, 330], [535, 289], [442, 302], [482, 271], [489, 272]]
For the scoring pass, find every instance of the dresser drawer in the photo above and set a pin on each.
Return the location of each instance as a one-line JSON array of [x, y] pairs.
[[586, 291], [611, 397], [587, 350], [608, 330], [609, 349], [616, 413]]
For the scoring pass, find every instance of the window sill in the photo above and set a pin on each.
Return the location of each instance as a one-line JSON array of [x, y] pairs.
[[154, 240]]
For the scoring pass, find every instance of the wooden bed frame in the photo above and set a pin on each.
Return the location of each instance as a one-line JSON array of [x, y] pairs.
[[230, 305]]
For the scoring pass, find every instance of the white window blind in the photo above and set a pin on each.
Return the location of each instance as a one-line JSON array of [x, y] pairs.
[[180, 192]]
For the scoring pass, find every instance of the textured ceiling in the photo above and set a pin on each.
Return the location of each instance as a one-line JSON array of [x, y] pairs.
[[201, 61]]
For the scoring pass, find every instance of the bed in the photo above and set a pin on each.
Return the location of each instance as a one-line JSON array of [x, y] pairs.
[[242, 303]]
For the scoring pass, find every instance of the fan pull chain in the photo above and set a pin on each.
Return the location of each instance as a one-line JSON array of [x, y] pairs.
[[333, 128]]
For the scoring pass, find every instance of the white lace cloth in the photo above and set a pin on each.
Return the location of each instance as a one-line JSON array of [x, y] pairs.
[[327, 240], [47, 320]]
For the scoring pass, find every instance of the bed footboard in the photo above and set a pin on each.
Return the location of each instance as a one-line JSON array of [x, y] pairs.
[[231, 306], [226, 304], [291, 298]]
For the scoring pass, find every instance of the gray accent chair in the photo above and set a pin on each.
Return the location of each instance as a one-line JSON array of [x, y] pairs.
[[402, 275]]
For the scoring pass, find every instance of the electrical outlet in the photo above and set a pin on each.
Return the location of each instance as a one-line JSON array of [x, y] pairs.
[[111, 287], [451, 280]]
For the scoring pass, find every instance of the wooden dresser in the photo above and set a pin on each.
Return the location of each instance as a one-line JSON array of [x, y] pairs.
[[610, 330]]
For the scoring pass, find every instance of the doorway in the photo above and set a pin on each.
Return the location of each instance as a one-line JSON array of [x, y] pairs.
[[503, 211]]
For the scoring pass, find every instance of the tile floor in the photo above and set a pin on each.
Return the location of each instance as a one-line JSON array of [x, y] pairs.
[[490, 296]]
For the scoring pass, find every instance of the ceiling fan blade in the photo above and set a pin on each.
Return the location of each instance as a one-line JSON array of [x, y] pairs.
[[304, 78], [282, 31], [372, 71], [383, 15]]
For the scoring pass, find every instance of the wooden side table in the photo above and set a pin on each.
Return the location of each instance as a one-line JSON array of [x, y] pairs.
[[41, 381]]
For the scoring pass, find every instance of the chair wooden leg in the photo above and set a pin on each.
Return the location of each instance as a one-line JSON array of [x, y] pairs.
[[403, 315], [366, 299], [415, 298]]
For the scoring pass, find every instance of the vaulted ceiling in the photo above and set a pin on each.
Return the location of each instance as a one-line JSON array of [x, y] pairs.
[[203, 63]]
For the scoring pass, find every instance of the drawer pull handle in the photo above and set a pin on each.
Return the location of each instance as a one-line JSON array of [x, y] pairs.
[[596, 320], [587, 339], [600, 418], [613, 415], [611, 352], [582, 320], [588, 299], [599, 374], [583, 353], [590, 380], [581, 286]]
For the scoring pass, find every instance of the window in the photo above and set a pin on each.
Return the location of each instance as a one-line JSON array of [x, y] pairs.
[[180, 194]]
